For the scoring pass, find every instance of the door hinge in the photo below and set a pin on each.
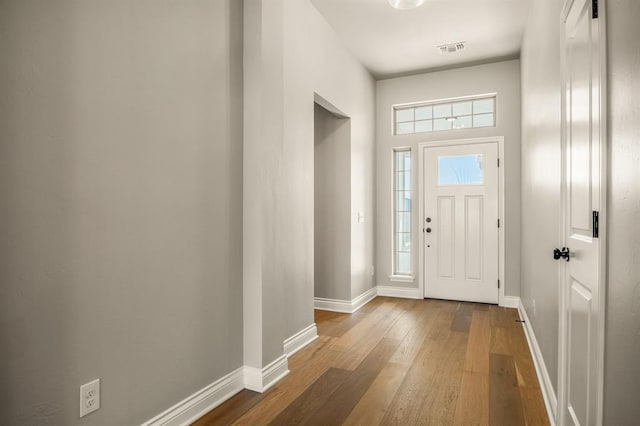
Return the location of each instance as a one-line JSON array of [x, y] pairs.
[[596, 224], [498, 223], [498, 283], [498, 162], [594, 9]]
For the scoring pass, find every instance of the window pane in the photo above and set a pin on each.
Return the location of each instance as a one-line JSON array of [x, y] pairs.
[[403, 180], [424, 113], [462, 108], [403, 201], [403, 222], [404, 128], [442, 110], [441, 124], [400, 160], [462, 122], [403, 161], [481, 106], [424, 126], [403, 263], [403, 241], [483, 120], [460, 170], [404, 115]]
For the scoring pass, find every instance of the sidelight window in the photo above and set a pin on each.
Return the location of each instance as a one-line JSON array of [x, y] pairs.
[[402, 211]]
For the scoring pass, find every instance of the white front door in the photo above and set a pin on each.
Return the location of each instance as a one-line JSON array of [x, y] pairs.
[[581, 313], [460, 222]]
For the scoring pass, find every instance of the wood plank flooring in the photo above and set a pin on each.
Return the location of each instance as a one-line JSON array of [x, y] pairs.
[[402, 362]]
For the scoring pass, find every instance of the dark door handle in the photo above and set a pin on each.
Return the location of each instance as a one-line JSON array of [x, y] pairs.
[[428, 230], [561, 253]]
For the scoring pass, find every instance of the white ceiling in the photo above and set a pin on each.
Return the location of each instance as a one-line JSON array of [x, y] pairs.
[[392, 42]]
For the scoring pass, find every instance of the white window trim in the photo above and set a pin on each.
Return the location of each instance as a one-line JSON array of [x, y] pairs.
[[394, 277], [445, 100], [402, 278]]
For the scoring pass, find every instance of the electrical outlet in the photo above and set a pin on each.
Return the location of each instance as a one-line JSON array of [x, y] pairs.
[[534, 307], [89, 397]]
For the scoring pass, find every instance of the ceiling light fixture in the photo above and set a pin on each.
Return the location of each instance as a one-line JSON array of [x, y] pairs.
[[406, 4]]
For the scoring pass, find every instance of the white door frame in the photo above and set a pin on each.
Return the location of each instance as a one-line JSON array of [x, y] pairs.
[[602, 229], [501, 237]]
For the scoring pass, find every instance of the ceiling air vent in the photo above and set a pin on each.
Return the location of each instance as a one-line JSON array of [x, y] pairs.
[[452, 48]]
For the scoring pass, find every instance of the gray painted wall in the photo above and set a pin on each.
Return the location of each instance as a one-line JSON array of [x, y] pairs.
[[622, 351], [296, 55], [332, 206], [262, 132], [502, 78], [541, 163], [120, 187]]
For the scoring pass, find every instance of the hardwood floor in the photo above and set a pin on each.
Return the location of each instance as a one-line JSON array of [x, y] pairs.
[[403, 362]]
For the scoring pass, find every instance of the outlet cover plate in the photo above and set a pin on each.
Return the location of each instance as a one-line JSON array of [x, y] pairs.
[[89, 397]]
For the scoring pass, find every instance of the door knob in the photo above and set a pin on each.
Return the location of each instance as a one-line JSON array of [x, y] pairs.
[[428, 230], [428, 219], [561, 253]]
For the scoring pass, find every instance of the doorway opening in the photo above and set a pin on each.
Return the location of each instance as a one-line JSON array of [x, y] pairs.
[[332, 204]]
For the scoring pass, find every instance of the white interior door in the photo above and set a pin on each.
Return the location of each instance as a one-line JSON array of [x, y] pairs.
[[580, 308], [460, 222]]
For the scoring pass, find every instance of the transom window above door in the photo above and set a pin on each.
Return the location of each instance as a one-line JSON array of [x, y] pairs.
[[434, 116]]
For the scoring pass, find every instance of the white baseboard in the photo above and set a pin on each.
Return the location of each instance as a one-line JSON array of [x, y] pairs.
[[363, 299], [345, 306], [402, 292], [299, 340], [200, 403], [259, 380], [550, 400], [333, 305], [510, 302]]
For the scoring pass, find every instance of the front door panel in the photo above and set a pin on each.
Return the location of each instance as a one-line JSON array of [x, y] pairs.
[[460, 224]]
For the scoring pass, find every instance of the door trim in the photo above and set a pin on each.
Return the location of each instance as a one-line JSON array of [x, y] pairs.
[[602, 237], [501, 235]]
